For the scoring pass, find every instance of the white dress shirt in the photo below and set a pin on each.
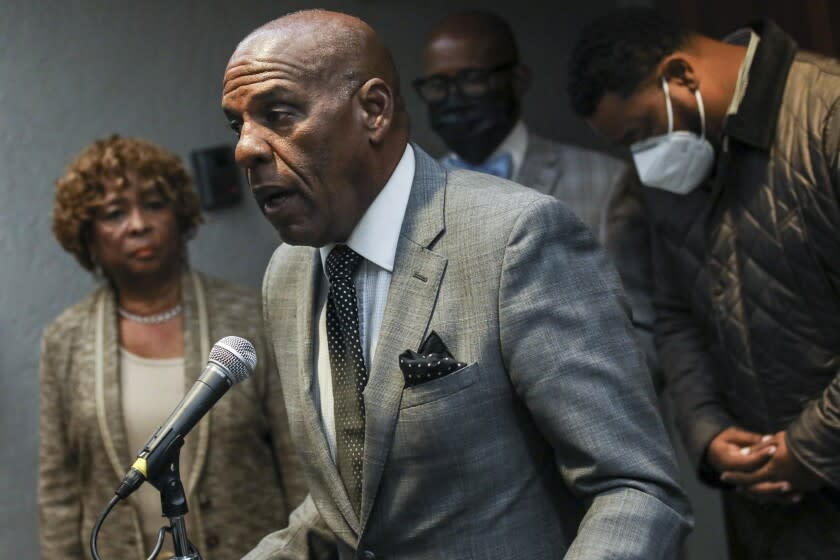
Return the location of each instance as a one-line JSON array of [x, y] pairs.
[[375, 238]]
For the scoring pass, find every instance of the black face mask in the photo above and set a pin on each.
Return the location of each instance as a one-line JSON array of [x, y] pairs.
[[473, 127]]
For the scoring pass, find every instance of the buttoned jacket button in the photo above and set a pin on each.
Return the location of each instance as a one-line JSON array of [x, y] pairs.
[[212, 541], [204, 500]]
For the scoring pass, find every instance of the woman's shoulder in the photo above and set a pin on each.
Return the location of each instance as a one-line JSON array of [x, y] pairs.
[[72, 318], [231, 303], [218, 288]]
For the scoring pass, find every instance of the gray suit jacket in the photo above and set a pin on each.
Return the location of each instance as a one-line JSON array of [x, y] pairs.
[[552, 426], [584, 180], [606, 194]]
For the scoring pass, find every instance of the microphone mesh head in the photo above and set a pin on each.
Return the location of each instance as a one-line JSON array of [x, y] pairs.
[[236, 355]]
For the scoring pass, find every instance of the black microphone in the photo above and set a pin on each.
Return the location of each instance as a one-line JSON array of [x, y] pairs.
[[231, 360]]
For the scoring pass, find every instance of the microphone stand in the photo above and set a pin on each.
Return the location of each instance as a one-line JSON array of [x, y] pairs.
[[173, 502]]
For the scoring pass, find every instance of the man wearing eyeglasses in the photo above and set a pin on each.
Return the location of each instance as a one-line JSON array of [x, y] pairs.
[[473, 87]]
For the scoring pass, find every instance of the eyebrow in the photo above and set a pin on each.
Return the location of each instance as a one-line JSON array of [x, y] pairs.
[[270, 94], [115, 201]]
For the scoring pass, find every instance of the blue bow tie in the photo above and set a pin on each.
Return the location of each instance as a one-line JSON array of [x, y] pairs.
[[500, 166]]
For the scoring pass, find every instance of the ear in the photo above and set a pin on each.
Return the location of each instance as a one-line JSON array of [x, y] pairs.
[[678, 67], [376, 103], [521, 79]]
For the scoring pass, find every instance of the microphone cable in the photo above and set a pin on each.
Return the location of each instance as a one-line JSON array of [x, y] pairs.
[[99, 520], [94, 535], [231, 361]]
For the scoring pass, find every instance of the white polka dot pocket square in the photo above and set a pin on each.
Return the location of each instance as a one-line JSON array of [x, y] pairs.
[[432, 361]]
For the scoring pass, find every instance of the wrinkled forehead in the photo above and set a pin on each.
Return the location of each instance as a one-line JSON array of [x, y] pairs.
[[270, 55]]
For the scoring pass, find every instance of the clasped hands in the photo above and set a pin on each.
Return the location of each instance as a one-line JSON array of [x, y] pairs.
[[760, 466]]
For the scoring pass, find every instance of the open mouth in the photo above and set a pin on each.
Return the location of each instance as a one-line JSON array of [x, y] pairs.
[[272, 198], [275, 201]]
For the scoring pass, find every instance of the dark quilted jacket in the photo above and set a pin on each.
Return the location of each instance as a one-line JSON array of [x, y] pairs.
[[748, 267]]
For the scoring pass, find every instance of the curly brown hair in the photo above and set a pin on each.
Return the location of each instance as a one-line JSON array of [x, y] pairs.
[[107, 163]]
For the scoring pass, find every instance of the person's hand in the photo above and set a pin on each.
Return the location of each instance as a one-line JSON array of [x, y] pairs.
[[737, 450], [736, 453], [781, 479]]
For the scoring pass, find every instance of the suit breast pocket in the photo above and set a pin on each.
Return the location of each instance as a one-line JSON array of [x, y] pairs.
[[440, 388]]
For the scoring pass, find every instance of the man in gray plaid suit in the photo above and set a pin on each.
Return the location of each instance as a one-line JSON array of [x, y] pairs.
[[473, 86], [459, 374]]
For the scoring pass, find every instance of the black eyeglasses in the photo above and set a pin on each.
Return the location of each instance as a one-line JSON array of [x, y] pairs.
[[469, 82]]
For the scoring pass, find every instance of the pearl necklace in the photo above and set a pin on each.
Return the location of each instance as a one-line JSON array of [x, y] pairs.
[[155, 319]]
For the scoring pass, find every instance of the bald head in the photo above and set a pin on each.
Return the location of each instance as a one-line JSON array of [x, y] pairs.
[[314, 97], [332, 49], [490, 37]]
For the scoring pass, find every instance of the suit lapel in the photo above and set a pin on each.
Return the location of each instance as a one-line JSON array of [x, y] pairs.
[[415, 282], [540, 168], [306, 293], [108, 385]]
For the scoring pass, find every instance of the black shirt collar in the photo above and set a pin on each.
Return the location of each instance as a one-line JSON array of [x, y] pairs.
[[758, 113]]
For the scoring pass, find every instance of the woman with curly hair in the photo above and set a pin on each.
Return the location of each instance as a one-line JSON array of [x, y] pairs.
[[114, 365]]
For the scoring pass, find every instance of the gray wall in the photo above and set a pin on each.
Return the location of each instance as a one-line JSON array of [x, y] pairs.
[[74, 71]]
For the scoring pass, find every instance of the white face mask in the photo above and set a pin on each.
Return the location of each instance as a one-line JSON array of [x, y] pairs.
[[677, 161]]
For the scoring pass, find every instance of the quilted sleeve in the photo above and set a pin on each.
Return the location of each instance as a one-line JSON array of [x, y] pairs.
[[686, 364], [831, 143], [814, 437]]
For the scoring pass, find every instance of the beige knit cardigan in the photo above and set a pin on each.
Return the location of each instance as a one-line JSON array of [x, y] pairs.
[[245, 477]]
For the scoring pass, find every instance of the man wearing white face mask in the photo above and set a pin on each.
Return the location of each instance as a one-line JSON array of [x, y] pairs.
[[739, 142], [677, 161]]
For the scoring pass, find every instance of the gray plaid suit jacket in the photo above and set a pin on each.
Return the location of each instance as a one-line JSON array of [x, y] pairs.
[[584, 180], [605, 193], [547, 443]]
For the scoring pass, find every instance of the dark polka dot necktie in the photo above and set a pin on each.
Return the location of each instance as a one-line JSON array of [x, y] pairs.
[[349, 373]]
